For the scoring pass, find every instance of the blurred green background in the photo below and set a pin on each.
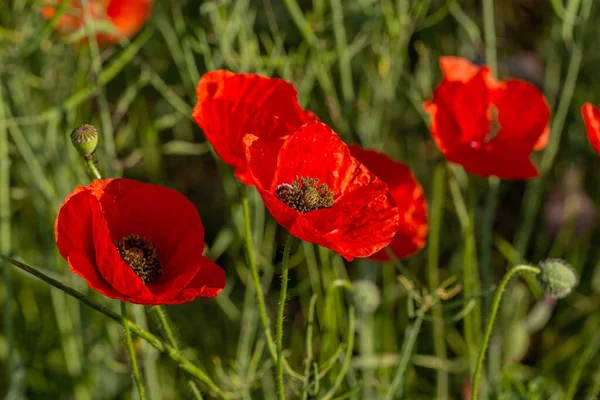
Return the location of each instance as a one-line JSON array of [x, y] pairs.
[[364, 67]]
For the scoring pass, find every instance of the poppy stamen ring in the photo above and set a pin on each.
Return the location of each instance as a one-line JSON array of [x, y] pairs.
[[140, 254], [304, 194]]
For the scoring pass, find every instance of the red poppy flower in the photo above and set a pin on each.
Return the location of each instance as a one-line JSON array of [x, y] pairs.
[[125, 16], [408, 195], [591, 117], [314, 188], [136, 242], [230, 106], [488, 126]]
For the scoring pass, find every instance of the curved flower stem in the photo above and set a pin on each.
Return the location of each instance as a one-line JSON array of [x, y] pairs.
[[154, 341], [134, 366], [166, 329], [92, 167], [260, 296], [280, 312], [492, 317]]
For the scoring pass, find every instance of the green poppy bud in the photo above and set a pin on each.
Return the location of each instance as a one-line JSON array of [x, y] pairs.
[[85, 139], [366, 297], [557, 277]]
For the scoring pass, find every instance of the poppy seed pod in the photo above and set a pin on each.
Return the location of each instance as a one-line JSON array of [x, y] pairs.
[[557, 278], [85, 139]]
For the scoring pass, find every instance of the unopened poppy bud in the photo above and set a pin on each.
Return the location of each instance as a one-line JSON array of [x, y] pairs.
[[366, 297], [557, 277], [85, 139]]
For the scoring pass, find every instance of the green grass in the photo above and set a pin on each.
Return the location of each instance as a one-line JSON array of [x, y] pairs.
[[364, 67]]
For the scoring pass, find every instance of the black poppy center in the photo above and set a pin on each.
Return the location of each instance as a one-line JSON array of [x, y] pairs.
[[140, 254], [305, 194]]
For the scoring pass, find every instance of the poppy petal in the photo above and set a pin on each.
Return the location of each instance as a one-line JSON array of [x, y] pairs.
[[230, 106], [81, 265], [208, 282], [408, 196], [591, 118], [523, 114]]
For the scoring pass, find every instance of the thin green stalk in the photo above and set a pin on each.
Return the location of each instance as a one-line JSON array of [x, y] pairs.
[[347, 357], [92, 167], [165, 326], [533, 195], [309, 346], [489, 35], [492, 318], [433, 247], [262, 308], [154, 341], [344, 60], [134, 365], [5, 229], [280, 312], [396, 388], [487, 230]]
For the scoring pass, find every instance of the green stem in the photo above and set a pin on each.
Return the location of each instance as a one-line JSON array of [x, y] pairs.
[[396, 387], [586, 355], [347, 357], [489, 35], [487, 229], [280, 312], [154, 341], [92, 167], [491, 319], [165, 327], [260, 296], [534, 191], [433, 247], [134, 365], [5, 229]]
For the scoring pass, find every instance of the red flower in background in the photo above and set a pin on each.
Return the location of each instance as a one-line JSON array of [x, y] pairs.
[[487, 126], [125, 16], [591, 117], [314, 188], [231, 105], [408, 195], [136, 242]]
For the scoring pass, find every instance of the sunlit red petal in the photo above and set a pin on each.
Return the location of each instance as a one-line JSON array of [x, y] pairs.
[[591, 117], [229, 106], [408, 196]]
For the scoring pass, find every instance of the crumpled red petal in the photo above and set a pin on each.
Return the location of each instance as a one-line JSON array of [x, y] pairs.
[[408, 196], [591, 118], [230, 106], [363, 218]]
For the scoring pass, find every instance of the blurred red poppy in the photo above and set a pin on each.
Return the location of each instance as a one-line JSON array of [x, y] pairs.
[[591, 117], [231, 105], [487, 126], [125, 17], [136, 242], [408, 195], [314, 188]]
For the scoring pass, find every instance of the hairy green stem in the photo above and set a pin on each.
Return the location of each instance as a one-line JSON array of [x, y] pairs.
[[134, 365], [492, 318], [165, 327], [154, 341], [260, 296], [92, 166], [280, 312]]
